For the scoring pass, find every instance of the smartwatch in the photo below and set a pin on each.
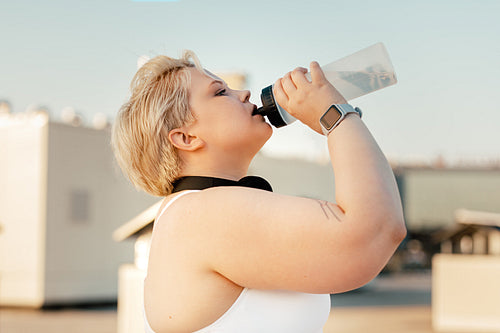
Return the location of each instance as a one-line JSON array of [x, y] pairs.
[[334, 116]]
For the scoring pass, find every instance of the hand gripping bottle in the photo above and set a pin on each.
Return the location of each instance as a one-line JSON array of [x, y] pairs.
[[353, 76]]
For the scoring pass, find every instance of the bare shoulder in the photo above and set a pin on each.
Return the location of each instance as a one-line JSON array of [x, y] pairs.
[[233, 207], [197, 204], [193, 210], [231, 198], [198, 213], [206, 219]]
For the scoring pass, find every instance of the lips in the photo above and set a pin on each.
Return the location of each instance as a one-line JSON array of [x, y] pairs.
[[254, 113]]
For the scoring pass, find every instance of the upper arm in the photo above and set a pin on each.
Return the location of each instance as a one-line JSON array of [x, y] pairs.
[[265, 240]]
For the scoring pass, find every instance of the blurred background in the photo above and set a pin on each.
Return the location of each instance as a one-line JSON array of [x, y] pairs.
[[72, 252]]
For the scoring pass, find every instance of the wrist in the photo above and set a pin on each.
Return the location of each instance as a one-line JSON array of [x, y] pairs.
[[335, 114]]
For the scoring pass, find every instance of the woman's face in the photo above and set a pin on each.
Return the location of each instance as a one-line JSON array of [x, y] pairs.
[[224, 116]]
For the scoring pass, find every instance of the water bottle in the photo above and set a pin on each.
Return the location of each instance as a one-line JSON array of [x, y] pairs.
[[353, 76]]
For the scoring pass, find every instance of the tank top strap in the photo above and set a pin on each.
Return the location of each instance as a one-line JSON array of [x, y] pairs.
[[174, 199]]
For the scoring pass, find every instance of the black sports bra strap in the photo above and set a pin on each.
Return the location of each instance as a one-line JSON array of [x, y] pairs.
[[203, 182]]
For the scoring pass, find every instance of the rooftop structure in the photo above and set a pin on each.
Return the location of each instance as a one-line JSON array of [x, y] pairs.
[[61, 195]]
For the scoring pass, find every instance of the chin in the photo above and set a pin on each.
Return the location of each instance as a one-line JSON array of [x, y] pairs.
[[268, 135], [259, 140]]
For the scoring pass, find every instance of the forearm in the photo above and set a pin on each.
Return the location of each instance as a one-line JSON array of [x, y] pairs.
[[364, 182]]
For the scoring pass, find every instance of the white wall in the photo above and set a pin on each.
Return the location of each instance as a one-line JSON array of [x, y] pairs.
[[88, 198], [22, 211], [61, 197]]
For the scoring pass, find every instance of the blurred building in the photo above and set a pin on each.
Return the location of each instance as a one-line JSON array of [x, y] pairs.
[[431, 196], [61, 196], [473, 233], [296, 177], [5, 108], [465, 278], [234, 80]]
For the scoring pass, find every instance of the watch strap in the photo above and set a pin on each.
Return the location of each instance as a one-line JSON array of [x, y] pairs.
[[343, 110]]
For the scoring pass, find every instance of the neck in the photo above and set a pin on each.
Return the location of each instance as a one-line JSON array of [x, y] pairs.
[[233, 169]]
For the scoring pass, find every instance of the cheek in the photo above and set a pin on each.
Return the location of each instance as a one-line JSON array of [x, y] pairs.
[[233, 133], [236, 130], [234, 123], [251, 132], [224, 131]]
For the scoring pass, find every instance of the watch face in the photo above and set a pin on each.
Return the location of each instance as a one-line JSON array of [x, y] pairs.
[[330, 117]]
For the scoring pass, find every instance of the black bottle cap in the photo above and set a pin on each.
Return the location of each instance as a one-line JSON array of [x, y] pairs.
[[269, 108]]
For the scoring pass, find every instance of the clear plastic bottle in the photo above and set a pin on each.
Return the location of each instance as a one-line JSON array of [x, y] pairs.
[[353, 76]]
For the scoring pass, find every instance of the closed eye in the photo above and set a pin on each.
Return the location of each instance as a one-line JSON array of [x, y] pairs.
[[221, 92]]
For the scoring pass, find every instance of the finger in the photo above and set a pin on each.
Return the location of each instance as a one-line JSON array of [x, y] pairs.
[[299, 77], [278, 89], [279, 94], [288, 84], [317, 74]]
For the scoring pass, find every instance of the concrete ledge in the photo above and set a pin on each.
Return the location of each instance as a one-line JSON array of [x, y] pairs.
[[466, 293], [130, 299]]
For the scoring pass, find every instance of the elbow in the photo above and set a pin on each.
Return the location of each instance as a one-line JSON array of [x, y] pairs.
[[391, 226], [388, 232], [392, 231], [388, 228], [399, 231]]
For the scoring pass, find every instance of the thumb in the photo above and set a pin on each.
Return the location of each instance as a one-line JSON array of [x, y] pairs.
[[317, 74]]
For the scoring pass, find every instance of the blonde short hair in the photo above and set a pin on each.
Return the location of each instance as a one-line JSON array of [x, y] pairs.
[[159, 102]]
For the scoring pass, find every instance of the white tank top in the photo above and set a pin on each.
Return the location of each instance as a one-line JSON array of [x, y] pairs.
[[268, 311]]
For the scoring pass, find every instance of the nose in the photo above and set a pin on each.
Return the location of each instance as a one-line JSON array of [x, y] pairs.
[[244, 95]]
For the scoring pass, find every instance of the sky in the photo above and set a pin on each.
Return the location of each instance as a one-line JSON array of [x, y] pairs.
[[445, 53]]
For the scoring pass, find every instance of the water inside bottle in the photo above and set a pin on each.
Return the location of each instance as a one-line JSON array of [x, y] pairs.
[[352, 84]]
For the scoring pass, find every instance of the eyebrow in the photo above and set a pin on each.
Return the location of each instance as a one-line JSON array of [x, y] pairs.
[[216, 81]]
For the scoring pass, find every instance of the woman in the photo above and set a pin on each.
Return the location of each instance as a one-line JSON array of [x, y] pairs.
[[240, 259]]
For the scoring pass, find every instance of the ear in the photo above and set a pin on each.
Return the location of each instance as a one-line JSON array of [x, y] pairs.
[[182, 140]]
